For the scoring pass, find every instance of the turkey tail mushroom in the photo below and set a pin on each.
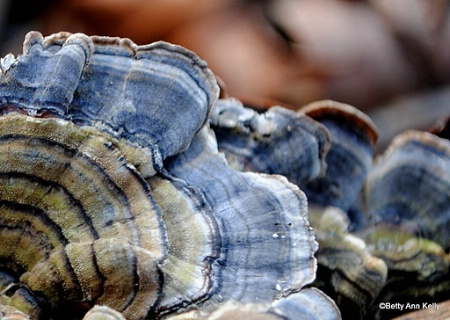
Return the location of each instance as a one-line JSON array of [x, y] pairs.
[[348, 271], [41, 80], [349, 159], [276, 141], [76, 217], [267, 244], [113, 191], [410, 185], [156, 95], [308, 304], [407, 206]]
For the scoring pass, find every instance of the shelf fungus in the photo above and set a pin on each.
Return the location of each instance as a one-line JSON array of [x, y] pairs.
[[410, 186], [103, 313], [115, 202], [406, 202], [253, 249], [349, 159], [348, 271], [277, 140], [308, 304], [157, 95], [327, 149]]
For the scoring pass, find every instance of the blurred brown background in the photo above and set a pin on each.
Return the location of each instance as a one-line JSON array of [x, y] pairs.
[[390, 59]]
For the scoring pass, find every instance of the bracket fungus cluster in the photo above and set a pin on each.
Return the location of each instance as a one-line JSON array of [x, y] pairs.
[[131, 190], [381, 220], [116, 203]]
